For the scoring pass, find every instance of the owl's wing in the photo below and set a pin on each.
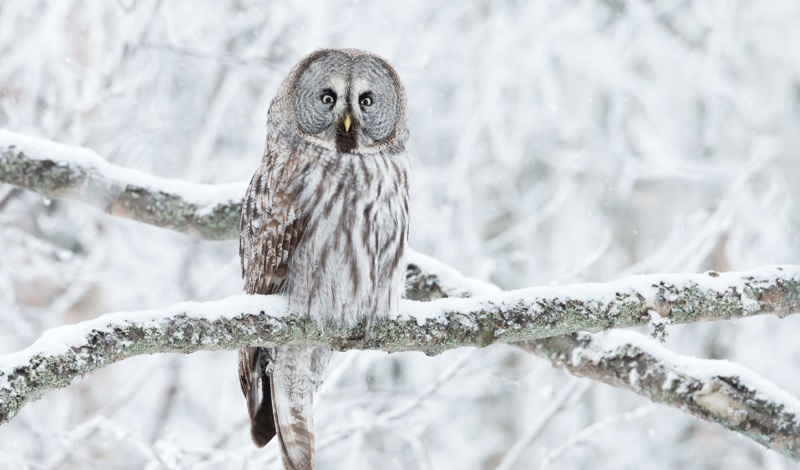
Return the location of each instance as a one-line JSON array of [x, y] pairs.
[[270, 232]]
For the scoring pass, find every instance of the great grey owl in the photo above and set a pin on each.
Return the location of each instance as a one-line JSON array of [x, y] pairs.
[[324, 222]]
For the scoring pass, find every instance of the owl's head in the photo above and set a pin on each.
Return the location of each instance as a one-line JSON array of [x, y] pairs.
[[345, 100]]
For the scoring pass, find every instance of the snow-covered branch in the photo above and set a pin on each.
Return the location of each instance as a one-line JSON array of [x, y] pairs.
[[432, 327], [56, 170], [713, 390]]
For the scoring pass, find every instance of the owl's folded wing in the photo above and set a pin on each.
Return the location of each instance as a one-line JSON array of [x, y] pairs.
[[271, 229], [270, 232]]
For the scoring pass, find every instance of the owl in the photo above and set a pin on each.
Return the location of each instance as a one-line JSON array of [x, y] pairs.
[[324, 222]]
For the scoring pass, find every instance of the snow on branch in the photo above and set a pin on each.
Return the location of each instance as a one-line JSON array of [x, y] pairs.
[[66, 352], [56, 170], [713, 390]]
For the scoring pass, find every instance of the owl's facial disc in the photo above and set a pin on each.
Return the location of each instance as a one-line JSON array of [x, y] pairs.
[[347, 103]]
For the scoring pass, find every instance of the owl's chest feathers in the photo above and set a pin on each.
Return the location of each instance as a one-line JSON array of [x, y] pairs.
[[348, 264]]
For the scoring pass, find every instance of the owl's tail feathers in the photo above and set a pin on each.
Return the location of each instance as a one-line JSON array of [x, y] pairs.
[[255, 384], [293, 407], [296, 374]]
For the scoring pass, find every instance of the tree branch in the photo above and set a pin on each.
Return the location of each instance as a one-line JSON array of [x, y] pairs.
[[432, 327], [719, 392], [55, 170]]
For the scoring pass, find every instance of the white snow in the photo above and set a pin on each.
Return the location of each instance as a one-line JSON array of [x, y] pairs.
[[646, 285], [451, 281]]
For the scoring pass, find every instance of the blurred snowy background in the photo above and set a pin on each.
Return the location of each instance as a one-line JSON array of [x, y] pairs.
[[553, 142]]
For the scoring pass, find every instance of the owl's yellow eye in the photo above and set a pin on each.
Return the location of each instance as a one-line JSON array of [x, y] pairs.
[[366, 101], [328, 98]]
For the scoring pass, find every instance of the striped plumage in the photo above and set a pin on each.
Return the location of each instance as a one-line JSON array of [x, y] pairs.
[[324, 222]]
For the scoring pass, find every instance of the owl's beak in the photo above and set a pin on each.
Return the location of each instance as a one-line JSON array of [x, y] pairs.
[[346, 122]]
